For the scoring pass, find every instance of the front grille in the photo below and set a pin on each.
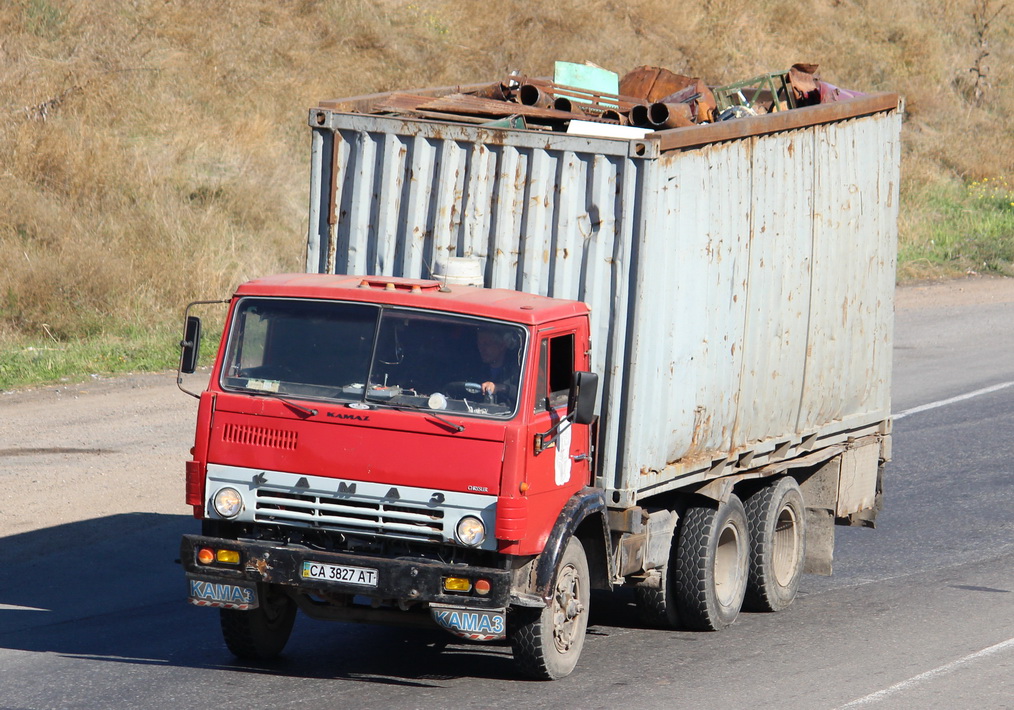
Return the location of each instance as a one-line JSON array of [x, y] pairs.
[[401, 520], [260, 436]]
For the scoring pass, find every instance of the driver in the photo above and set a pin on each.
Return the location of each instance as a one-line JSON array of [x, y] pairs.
[[500, 370]]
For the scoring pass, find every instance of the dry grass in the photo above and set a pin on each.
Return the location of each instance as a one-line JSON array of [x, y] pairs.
[[155, 151]]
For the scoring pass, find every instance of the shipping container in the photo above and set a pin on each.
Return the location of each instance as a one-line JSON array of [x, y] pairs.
[[740, 274]]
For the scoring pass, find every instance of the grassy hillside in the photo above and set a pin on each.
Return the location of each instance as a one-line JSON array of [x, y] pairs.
[[155, 151]]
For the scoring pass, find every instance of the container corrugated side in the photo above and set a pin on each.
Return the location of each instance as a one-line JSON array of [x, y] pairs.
[[763, 312], [547, 214], [736, 287]]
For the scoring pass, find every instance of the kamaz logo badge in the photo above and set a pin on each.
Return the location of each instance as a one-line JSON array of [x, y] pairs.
[[227, 595], [475, 625], [356, 417]]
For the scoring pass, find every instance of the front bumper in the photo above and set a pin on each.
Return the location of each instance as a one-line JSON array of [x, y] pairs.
[[397, 579]]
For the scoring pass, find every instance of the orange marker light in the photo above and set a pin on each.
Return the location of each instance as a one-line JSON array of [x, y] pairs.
[[482, 586], [206, 556]]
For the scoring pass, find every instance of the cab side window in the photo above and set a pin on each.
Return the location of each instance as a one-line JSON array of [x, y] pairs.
[[556, 372]]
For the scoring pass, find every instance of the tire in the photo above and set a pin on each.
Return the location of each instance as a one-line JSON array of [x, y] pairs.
[[261, 633], [657, 607], [547, 642], [712, 553], [776, 517]]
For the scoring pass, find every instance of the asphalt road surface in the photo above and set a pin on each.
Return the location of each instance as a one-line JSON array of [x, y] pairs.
[[919, 612]]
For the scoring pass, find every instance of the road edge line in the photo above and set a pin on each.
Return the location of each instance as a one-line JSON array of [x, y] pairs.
[[914, 680], [952, 400]]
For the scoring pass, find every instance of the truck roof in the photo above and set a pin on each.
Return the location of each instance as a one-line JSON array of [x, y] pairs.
[[501, 304]]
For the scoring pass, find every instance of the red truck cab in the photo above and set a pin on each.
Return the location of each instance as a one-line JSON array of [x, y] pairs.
[[402, 442]]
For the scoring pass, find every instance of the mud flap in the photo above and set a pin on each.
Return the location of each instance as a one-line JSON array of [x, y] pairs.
[[223, 595], [471, 624]]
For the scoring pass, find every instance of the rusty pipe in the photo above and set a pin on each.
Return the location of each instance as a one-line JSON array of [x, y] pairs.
[[496, 92], [562, 103], [593, 98], [662, 115], [532, 95], [700, 99], [639, 116], [612, 115]]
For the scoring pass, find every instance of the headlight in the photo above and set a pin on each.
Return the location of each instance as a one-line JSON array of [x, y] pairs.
[[471, 531], [228, 502]]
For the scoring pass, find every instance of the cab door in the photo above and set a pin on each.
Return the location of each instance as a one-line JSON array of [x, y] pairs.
[[559, 461]]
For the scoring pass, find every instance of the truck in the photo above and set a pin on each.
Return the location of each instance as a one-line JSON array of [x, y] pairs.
[[522, 365]]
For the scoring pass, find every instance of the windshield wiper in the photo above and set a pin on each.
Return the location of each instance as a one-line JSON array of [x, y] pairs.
[[416, 408], [298, 407]]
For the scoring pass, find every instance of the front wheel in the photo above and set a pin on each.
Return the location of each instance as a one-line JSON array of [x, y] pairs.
[[261, 633], [547, 642]]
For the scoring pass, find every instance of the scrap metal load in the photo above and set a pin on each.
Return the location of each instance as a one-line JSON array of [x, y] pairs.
[[647, 98]]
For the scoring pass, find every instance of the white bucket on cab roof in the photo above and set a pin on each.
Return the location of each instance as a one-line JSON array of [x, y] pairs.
[[460, 271]]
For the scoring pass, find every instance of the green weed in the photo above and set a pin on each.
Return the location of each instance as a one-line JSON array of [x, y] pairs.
[[959, 228], [27, 361], [43, 18]]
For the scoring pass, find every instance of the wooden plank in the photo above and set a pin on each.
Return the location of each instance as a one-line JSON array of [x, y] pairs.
[[463, 103], [397, 103], [462, 118], [598, 100]]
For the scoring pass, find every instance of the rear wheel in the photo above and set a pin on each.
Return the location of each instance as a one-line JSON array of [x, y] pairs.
[[777, 520], [709, 581], [657, 606], [547, 642], [261, 633]]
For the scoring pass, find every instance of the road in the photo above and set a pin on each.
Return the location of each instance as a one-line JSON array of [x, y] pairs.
[[919, 613]]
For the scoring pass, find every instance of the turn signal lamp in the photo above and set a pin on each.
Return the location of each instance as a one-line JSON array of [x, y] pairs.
[[205, 555], [482, 586], [457, 584], [229, 557]]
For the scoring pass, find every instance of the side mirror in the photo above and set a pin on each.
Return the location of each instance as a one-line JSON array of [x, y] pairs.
[[190, 345], [583, 393]]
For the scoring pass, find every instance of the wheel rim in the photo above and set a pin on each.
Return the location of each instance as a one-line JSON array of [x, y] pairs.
[[567, 609], [728, 565], [785, 544]]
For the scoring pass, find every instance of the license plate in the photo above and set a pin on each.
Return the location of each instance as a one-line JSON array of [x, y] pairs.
[[363, 576]]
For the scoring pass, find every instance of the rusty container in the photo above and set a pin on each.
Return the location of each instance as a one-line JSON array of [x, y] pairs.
[[740, 274]]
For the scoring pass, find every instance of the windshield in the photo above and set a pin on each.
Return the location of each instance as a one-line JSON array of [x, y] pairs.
[[362, 352]]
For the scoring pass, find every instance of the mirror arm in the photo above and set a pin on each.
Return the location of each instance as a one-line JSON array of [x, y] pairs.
[[547, 438], [190, 343]]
